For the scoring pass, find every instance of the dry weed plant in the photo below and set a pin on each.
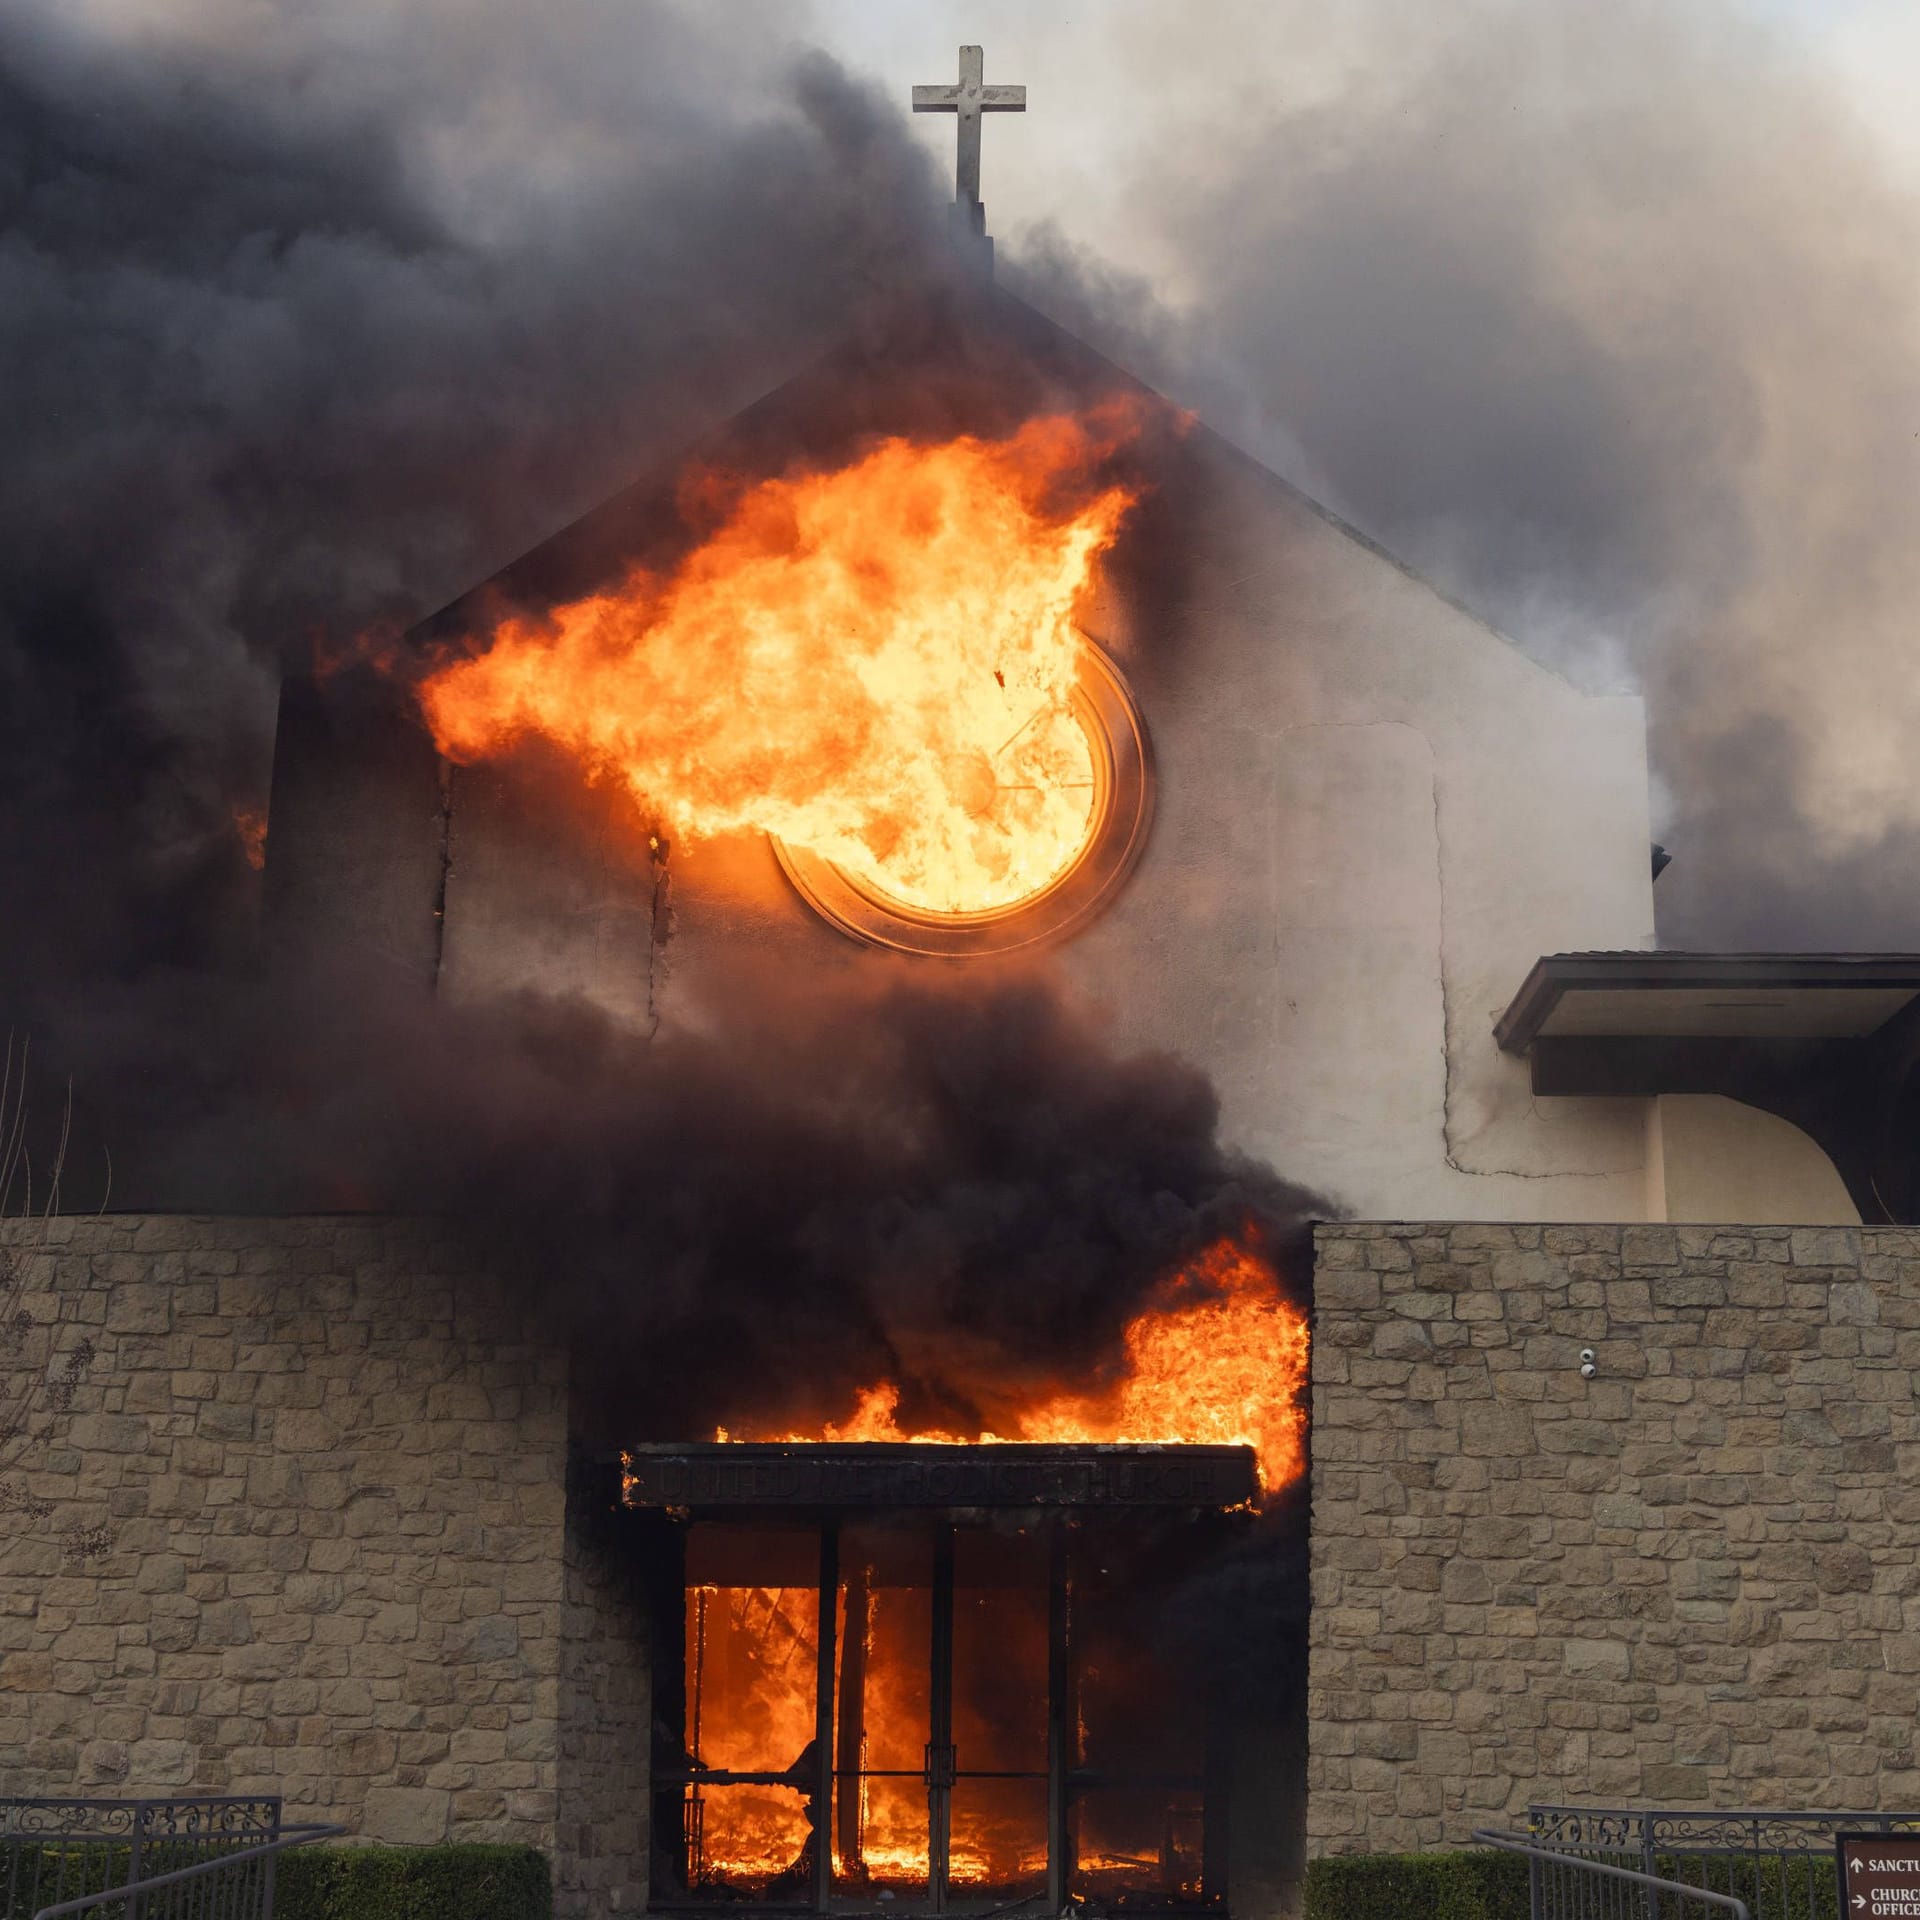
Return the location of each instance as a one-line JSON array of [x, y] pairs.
[[33, 1393]]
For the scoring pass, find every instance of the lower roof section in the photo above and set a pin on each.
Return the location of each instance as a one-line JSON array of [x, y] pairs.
[[1708, 996], [892, 1474], [1829, 1042]]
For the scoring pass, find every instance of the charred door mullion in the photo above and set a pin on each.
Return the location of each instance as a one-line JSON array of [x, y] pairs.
[[823, 1719], [1059, 1721], [1217, 1794], [940, 1754], [670, 1866], [850, 1732]]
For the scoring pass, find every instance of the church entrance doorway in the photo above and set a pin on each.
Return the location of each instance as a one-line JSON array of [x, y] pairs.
[[937, 1708]]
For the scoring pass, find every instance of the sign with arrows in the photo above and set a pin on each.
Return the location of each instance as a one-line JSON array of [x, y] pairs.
[[1879, 1875]]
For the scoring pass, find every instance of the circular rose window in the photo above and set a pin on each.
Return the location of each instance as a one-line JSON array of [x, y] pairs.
[[1065, 805]]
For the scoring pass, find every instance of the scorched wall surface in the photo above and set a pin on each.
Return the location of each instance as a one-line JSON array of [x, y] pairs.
[[287, 1516], [1374, 814], [1693, 1580]]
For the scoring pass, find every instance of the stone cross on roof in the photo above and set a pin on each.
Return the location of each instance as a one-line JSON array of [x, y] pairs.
[[969, 100]]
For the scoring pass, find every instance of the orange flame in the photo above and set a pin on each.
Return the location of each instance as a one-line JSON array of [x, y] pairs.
[[1220, 1359], [1219, 1356], [875, 663], [250, 824]]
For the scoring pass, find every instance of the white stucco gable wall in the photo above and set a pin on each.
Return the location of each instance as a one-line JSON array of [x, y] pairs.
[[1376, 813], [1373, 815]]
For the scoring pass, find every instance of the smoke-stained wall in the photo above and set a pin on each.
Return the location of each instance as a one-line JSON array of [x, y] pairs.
[[1373, 814], [1372, 806]]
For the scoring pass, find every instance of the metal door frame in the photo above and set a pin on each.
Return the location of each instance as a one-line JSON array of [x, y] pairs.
[[1064, 1775]]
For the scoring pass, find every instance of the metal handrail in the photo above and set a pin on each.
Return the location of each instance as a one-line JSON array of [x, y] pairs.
[[1521, 1843], [297, 1836], [115, 1803], [1799, 1816]]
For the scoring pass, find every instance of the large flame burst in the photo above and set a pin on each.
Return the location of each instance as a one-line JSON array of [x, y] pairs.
[[876, 663], [1219, 1357]]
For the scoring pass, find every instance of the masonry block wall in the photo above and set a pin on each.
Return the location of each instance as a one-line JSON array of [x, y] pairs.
[[606, 1710], [283, 1513], [1692, 1580]]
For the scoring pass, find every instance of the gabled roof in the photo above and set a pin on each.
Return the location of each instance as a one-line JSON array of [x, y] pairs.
[[968, 357]]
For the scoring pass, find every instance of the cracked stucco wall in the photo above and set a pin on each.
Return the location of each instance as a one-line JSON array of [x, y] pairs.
[[1373, 815]]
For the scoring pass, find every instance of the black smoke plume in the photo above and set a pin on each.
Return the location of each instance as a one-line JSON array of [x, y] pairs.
[[304, 332], [303, 342], [1605, 319], [947, 1181]]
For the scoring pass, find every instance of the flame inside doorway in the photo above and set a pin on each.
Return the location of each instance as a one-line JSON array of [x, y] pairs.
[[976, 1666], [953, 1676]]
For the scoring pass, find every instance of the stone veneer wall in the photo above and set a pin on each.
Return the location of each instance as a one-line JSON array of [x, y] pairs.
[[606, 1710], [1693, 1580], [285, 1515]]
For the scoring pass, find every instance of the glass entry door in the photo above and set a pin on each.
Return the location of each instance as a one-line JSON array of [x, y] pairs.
[[941, 1726], [907, 1716], [1001, 1727], [884, 1702]]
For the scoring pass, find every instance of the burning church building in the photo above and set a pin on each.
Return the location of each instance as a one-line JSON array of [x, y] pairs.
[[965, 674]]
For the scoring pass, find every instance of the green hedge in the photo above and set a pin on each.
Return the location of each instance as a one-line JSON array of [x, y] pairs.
[[413, 1883], [1481, 1884], [314, 1883], [1484, 1884]]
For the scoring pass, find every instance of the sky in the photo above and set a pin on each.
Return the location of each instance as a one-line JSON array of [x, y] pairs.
[[1113, 84]]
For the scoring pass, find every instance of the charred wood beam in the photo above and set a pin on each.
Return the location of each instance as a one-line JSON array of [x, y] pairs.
[[940, 1754], [1060, 1723], [851, 1732], [837, 1477], [821, 1810]]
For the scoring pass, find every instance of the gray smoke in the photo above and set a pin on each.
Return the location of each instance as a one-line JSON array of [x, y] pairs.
[[1608, 319], [306, 329], [307, 333], [1604, 317]]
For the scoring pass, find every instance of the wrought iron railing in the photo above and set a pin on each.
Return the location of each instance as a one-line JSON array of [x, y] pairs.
[[1780, 1864], [202, 1858], [1564, 1885]]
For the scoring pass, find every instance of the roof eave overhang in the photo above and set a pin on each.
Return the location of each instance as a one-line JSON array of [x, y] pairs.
[[1853, 1088], [1553, 976]]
